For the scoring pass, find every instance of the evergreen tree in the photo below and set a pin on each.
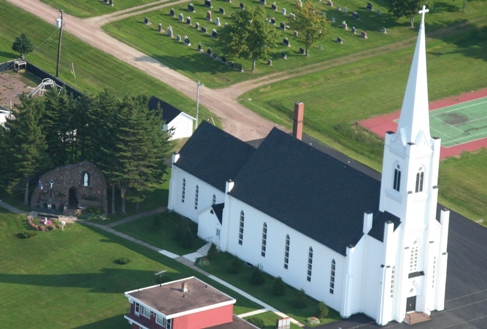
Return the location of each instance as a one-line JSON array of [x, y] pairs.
[[25, 147]]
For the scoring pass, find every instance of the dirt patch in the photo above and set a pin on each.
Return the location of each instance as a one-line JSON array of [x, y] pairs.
[[12, 85], [454, 118]]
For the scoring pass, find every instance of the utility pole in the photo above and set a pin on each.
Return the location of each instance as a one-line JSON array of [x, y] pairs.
[[198, 85], [59, 24]]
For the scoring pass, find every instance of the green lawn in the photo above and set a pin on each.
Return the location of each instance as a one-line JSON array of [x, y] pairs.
[[270, 319], [88, 8], [163, 234], [219, 266], [69, 279], [94, 70]]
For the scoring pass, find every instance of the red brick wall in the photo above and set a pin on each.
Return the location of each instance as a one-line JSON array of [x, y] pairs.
[[205, 319]]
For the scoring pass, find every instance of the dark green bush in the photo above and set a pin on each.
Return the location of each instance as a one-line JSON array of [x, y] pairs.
[[322, 310], [278, 287], [256, 322], [257, 277], [123, 260], [300, 300], [236, 266], [27, 234], [163, 278], [157, 222], [212, 252], [184, 234]]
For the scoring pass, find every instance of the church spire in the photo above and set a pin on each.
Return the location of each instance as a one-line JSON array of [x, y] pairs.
[[414, 120]]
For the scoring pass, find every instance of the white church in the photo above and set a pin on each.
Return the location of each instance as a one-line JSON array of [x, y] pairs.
[[359, 245]]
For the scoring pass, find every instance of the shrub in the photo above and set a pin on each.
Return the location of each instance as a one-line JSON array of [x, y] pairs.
[[236, 266], [123, 260], [157, 222], [257, 277], [184, 234], [163, 278], [27, 234], [256, 322], [278, 287], [300, 300], [212, 252], [313, 320], [322, 310]]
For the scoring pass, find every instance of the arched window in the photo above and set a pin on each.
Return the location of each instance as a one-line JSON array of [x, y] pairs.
[[310, 263], [264, 240], [241, 228], [332, 276], [419, 180], [286, 252], [214, 199], [397, 178], [183, 193], [196, 195], [413, 262]]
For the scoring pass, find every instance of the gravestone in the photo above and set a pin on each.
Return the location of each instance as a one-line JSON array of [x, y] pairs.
[[284, 11], [200, 47], [292, 16], [223, 59], [283, 54], [378, 12], [344, 25], [269, 62], [286, 42], [178, 38], [274, 6], [301, 50], [323, 13], [187, 42], [333, 20], [181, 17], [105, 1], [111, 3], [355, 15], [296, 33], [345, 10], [229, 1], [363, 34], [232, 65], [242, 6], [273, 21], [208, 3], [208, 51], [263, 2], [215, 55], [146, 21], [330, 3], [188, 20], [383, 30], [282, 26], [208, 16], [172, 13], [369, 6], [339, 9], [191, 7], [203, 29], [339, 40], [197, 25], [214, 33], [217, 21], [170, 32], [222, 10], [300, 3], [159, 28], [354, 29]]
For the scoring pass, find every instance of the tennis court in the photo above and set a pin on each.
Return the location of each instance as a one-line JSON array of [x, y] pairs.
[[460, 123]]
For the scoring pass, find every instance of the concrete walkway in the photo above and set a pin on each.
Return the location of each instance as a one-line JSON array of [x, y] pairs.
[[187, 261]]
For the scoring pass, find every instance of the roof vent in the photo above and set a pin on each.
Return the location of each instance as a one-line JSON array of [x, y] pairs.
[[184, 287]]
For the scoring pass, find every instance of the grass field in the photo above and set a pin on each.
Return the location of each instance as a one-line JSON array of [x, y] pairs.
[[69, 279]]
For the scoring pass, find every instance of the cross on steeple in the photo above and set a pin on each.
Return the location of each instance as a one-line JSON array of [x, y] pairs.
[[422, 12]]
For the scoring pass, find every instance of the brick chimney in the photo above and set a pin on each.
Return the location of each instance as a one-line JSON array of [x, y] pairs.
[[298, 120]]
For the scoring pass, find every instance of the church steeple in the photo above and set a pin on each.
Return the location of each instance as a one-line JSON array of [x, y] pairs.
[[414, 120]]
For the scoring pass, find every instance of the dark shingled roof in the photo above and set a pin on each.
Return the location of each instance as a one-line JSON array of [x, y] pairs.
[[213, 156], [169, 112], [218, 209], [379, 221], [307, 190]]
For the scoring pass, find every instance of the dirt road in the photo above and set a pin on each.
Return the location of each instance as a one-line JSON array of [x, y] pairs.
[[236, 119]]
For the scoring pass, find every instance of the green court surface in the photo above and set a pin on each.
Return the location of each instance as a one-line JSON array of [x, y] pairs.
[[460, 123]]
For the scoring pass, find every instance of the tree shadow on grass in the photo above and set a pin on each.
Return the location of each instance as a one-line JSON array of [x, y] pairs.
[[117, 321]]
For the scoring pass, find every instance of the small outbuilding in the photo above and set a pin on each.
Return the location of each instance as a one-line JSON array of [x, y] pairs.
[[176, 121]]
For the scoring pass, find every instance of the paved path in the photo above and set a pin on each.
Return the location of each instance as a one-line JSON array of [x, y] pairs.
[[11, 208]]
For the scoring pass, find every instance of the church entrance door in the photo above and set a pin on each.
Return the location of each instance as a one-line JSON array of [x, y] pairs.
[[411, 304]]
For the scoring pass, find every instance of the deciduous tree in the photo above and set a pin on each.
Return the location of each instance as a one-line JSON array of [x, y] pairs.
[[405, 8], [310, 24], [249, 36], [23, 45]]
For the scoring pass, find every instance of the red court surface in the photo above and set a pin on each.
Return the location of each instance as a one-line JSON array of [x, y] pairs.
[[384, 123]]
